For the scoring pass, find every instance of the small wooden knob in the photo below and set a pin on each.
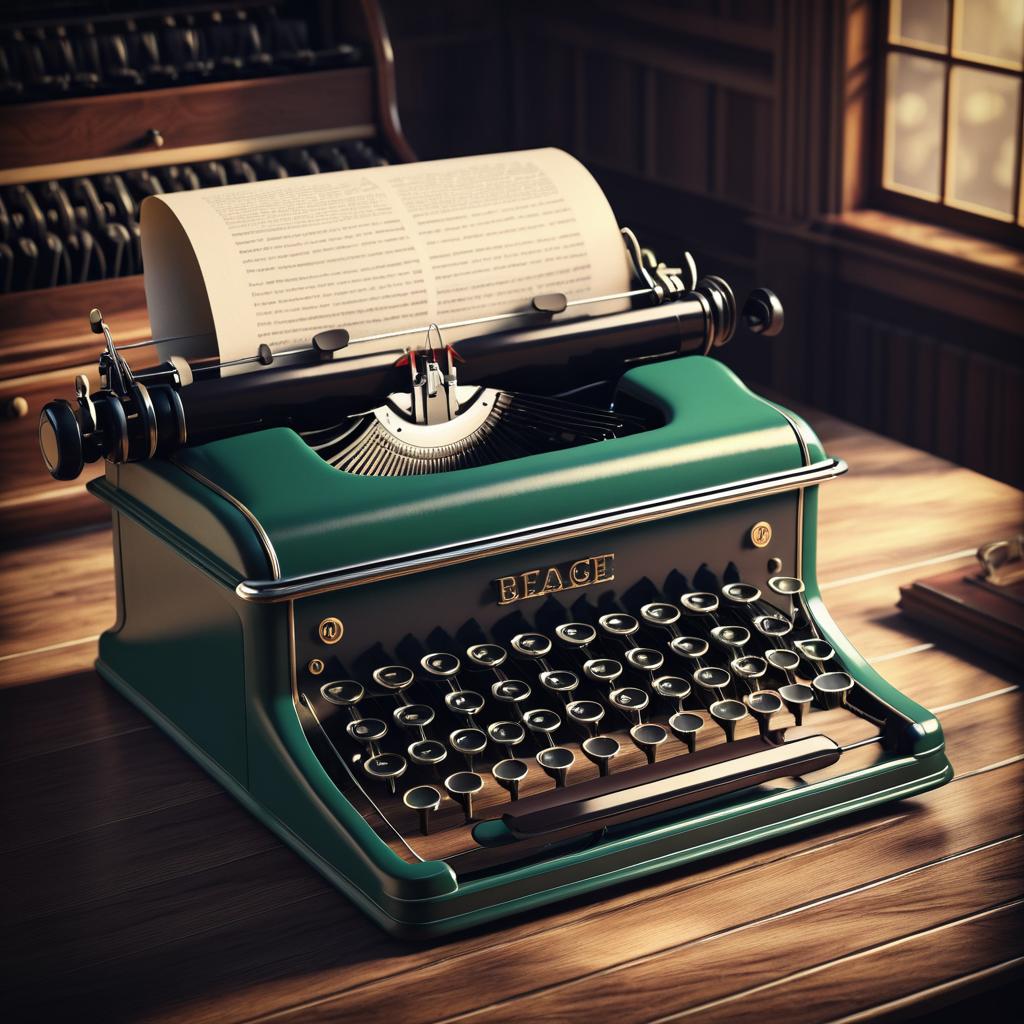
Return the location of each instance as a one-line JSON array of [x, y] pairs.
[[155, 137], [15, 408]]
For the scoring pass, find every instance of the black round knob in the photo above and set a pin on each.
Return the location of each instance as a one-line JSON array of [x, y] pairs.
[[763, 313], [60, 440]]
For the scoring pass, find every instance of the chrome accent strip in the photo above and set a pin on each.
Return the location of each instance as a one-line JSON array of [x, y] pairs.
[[264, 539], [343, 577]]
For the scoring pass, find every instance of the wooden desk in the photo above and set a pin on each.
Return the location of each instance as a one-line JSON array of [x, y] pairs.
[[134, 888]]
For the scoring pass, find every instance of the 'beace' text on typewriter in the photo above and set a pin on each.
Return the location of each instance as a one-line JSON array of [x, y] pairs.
[[584, 572]]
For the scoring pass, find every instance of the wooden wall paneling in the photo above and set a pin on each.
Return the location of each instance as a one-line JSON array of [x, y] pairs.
[[949, 404], [681, 140], [977, 412], [920, 392], [614, 120]]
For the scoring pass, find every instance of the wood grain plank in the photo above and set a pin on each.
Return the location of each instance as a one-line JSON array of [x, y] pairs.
[[818, 931], [68, 791], [864, 980], [322, 949]]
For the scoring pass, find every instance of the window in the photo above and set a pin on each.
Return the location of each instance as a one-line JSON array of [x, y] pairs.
[[951, 146]]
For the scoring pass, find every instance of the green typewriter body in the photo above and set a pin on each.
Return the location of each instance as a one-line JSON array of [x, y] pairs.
[[464, 694]]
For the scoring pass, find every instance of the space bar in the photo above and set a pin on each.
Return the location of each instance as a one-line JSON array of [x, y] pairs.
[[668, 784]]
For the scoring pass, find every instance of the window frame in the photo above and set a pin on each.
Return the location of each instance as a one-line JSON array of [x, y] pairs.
[[937, 212]]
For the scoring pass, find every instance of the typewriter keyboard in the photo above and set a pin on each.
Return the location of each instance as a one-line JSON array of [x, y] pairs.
[[465, 735]]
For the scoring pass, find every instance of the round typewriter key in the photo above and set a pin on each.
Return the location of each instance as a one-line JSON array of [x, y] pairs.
[[542, 721], [556, 761], [393, 677], [511, 691], [741, 593], [469, 743], [762, 704], [631, 700], [731, 636], [427, 752], [385, 766], [531, 645], [487, 655], [413, 716], [367, 730], [559, 681], [749, 667], [773, 625], [646, 659], [345, 692], [586, 713], [440, 664], [465, 702], [786, 585], [685, 725], [815, 650], [508, 734], [577, 634], [648, 737], [833, 688], [509, 773], [462, 787], [782, 659], [700, 603], [689, 647], [424, 800], [601, 750], [727, 713], [660, 613], [618, 624], [797, 697], [713, 680], [672, 688], [602, 670]]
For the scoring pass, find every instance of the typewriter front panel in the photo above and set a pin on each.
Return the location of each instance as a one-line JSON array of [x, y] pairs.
[[447, 686]]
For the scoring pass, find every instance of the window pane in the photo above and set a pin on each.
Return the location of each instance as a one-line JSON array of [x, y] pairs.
[[984, 115], [991, 30], [920, 23], [915, 92]]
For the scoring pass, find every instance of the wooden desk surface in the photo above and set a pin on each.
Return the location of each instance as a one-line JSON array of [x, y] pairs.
[[135, 889]]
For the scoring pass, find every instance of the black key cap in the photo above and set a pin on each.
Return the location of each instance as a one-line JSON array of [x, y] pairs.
[[346, 692], [733, 637], [601, 750], [586, 713], [393, 677], [462, 787], [692, 647], [815, 650], [782, 659], [465, 702], [699, 603], [648, 737], [618, 624], [630, 700], [507, 734], [749, 667], [469, 743], [413, 716], [762, 704], [660, 613], [712, 680], [773, 625], [556, 762], [559, 681], [576, 634], [511, 691], [728, 713], [440, 664], [509, 773], [385, 766], [741, 593], [797, 697], [645, 659], [602, 670], [367, 730], [542, 721], [685, 725], [424, 800], [833, 688], [786, 585], [531, 645], [672, 688], [427, 752], [487, 655]]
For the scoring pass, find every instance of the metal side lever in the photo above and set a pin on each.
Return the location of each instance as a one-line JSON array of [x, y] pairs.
[[666, 785]]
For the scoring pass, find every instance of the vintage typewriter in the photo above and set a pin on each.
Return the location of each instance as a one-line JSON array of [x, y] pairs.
[[479, 628]]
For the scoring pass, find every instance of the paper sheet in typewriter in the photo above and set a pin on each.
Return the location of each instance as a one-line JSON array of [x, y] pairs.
[[375, 250]]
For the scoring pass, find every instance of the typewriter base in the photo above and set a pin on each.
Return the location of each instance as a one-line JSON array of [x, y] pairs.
[[710, 830]]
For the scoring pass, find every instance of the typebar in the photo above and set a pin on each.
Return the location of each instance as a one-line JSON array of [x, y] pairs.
[[668, 784]]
